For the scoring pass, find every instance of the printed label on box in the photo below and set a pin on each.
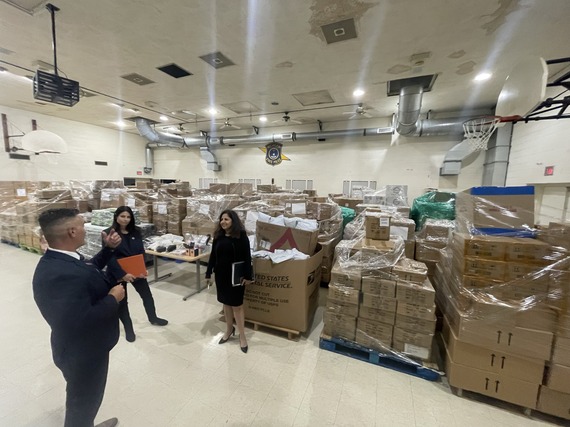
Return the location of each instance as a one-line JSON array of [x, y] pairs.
[[416, 351]]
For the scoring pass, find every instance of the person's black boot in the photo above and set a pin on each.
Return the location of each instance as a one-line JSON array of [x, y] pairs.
[[148, 303], [127, 322], [159, 322]]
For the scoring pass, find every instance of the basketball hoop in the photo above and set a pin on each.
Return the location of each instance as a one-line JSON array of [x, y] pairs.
[[478, 131]]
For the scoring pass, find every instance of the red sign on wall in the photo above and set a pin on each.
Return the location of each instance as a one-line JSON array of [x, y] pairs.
[[549, 171]]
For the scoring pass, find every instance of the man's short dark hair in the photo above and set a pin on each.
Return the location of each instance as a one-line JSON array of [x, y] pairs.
[[53, 217]]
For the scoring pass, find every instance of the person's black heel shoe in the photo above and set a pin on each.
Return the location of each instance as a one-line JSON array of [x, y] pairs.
[[244, 349], [223, 340]]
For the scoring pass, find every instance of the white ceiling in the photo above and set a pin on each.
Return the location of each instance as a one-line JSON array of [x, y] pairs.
[[279, 51]]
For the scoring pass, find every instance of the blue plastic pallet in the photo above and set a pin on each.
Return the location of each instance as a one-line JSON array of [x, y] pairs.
[[391, 361]]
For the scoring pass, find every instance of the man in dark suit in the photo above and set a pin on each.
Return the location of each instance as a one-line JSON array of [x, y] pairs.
[[81, 307]]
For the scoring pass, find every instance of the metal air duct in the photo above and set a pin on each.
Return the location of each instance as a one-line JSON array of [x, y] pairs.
[[409, 108]]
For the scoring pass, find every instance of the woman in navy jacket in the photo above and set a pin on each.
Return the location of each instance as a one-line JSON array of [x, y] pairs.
[[230, 245], [131, 244]]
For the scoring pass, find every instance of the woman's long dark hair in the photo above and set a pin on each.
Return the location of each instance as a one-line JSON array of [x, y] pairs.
[[235, 230], [131, 227]]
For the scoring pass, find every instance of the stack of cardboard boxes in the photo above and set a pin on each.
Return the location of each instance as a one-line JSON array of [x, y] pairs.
[[505, 302], [488, 343], [378, 302]]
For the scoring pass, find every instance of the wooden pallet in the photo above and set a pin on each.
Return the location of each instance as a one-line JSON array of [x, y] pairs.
[[391, 361], [291, 334], [31, 249], [511, 407]]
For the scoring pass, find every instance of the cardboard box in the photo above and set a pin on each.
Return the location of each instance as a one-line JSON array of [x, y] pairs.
[[284, 294], [338, 307], [496, 208], [377, 330], [532, 250], [561, 352], [404, 227], [412, 350], [343, 294], [373, 247], [416, 310], [380, 303], [271, 236], [377, 226], [367, 341], [412, 337], [554, 403], [377, 315], [377, 286], [423, 326], [491, 247], [487, 268], [350, 277], [559, 378], [499, 332], [415, 293], [523, 368], [429, 250], [496, 385], [339, 325], [410, 270]]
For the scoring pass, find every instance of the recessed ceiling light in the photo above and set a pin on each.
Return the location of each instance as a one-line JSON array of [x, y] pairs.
[[212, 111], [164, 118], [262, 119], [121, 124], [357, 93], [481, 77]]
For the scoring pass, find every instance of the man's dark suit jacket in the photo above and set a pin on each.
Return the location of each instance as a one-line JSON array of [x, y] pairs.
[[73, 298]]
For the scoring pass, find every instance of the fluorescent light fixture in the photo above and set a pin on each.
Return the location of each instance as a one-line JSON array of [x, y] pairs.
[[263, 119], [212, 111], [164, 118], [121, 124], [357, 93], [117, 104], [481, 77]]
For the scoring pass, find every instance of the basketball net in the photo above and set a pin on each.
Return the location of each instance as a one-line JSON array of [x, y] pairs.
[[478, 131]]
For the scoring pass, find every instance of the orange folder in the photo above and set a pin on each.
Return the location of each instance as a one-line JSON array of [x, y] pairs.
[[133, 265]]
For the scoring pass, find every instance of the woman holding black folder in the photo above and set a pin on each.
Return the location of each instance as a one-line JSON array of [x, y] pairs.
[[131, 244], [230, 261]]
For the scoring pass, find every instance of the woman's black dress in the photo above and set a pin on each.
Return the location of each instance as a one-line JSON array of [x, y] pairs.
[[225, 251]]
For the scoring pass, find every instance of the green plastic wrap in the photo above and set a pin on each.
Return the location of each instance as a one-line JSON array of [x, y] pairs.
[[348, 215], [435, 204]]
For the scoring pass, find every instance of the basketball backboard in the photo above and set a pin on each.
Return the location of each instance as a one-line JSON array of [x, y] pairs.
[[524, 88]]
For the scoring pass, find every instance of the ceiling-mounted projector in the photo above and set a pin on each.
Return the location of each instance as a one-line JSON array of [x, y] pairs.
[[53, 88]]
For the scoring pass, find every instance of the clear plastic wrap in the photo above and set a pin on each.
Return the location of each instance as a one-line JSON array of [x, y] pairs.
[[504, 296]]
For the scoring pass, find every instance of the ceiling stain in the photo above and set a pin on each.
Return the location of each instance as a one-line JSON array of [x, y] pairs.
[[457, 54], [399, 68], [285, 64], [327, 11], [499, 16], [466, 67]]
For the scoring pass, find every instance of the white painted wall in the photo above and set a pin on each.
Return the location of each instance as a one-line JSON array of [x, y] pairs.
[[124, 152], [385, 159], [536, 145]]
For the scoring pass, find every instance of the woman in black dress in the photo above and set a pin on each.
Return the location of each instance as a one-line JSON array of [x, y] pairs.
[[131, 244], [230, 245]]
